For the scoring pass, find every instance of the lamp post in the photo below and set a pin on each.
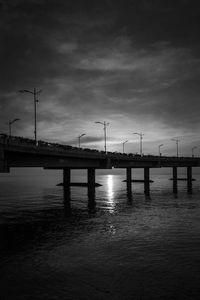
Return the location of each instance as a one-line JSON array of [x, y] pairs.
[[34, 93], [159, 153], [123, 145], [10, 124], [141, 137], [104, 128], [79, 140], [193, 150], [177, 141]]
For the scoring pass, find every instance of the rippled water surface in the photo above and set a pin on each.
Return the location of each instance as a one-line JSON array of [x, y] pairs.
[[127, 247]]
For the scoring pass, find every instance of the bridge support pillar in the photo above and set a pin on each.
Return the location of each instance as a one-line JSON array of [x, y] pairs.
[[146, 181], [91, 187], [66, 190], [128, 179], [175, 190], [66, 176], [189, 179]]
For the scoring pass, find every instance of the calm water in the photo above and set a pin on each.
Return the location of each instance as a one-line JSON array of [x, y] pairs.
[[126, 248]]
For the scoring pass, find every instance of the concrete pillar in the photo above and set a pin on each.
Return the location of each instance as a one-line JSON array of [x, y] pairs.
[[66, 176], [66, 191], [175, 180], [91, 188], [189, 179], [128, 179], [146, 181]]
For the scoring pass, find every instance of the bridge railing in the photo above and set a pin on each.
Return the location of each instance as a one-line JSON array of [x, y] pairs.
[[22, 141]]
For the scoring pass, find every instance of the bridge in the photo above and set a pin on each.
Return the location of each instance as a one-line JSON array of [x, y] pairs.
[[23, 152]]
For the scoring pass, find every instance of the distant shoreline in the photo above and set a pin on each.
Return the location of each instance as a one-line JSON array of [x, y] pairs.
[[84, 184], [183, 179], [138, 180]]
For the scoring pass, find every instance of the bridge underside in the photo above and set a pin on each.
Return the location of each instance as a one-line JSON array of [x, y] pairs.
[[13, 156], [20, 160], [16, 160]]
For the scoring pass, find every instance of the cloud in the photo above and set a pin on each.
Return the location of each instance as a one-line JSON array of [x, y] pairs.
[[157, 60], [67, 48], [136, 66]]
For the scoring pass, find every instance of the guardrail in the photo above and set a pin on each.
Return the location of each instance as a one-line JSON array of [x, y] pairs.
[[7, 140]]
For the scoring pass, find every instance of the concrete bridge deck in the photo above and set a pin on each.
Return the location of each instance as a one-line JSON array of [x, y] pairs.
[[22, 152]]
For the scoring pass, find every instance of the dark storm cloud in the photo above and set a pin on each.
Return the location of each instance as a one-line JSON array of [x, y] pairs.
[[134, 62], [135, 79]]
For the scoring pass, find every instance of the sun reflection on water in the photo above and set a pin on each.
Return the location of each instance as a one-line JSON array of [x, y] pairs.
[[110, 193]]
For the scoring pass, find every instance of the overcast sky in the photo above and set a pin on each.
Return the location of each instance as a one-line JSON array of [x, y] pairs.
[[132, 63]]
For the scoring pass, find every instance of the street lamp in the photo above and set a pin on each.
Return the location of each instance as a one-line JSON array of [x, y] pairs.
[[193, 150], [177, 141], [10, 123], [124, 144], [140, 135], [104, 128], [159, 153], [79, 140], [34, 93]]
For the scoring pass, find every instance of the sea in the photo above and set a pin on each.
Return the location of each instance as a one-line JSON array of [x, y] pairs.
[[126, 246]]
